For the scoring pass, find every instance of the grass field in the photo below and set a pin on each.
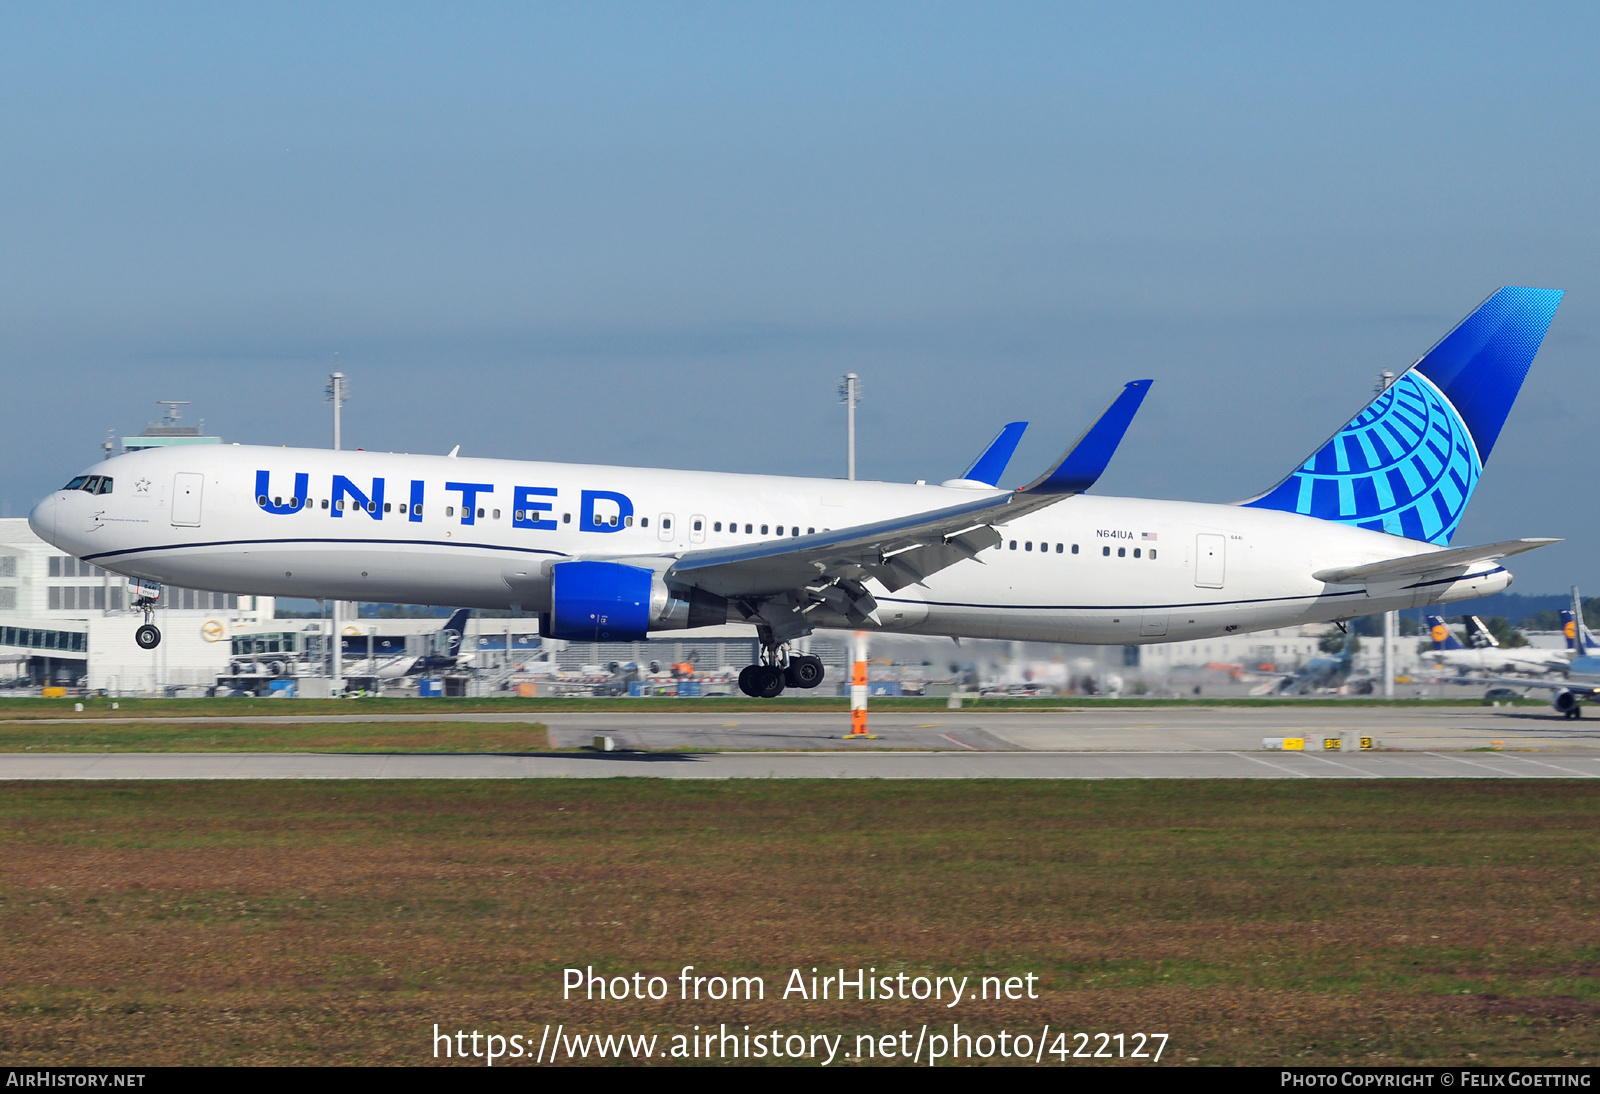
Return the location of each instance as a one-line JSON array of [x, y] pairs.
[[222, 736], [21, 709], [1258, 923]]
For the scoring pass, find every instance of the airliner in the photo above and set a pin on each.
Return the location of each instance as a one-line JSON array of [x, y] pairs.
[[600, 553], [1485, 654]]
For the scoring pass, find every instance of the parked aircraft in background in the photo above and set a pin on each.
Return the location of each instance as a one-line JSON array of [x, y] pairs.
[[1485, 654], [1362, 525], [1582, 684], [443, 653]]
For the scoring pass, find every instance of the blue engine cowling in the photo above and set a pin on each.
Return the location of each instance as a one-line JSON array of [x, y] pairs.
[[599, 601]]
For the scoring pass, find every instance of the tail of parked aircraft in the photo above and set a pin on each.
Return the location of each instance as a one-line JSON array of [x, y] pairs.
[[452, 632], [1440, 633], [1407, 464], [1569, 630], [1478, 635]]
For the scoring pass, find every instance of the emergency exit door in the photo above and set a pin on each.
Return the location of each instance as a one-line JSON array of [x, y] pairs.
[[186, 487], [1210, 560]]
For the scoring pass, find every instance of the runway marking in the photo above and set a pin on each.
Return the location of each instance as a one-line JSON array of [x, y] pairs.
[[1472, 763], [946, 736], [1553, 767], [725, 725], [1347, 767], [1269, 763]]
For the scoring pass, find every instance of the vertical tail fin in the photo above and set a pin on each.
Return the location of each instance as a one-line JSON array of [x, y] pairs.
[[1479, 636], [1440, 633], [1407, 464]]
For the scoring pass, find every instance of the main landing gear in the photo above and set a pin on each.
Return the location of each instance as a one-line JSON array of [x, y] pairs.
[[149, 635], [778, 670]]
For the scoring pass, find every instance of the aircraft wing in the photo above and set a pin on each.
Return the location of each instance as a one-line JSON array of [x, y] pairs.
[[829, 566], [1428, 564]]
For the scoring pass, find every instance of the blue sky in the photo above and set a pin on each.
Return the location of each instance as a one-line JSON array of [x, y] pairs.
[[658, 234]]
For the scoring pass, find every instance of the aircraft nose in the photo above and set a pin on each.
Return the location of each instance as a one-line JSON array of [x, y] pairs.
[[43, 520]]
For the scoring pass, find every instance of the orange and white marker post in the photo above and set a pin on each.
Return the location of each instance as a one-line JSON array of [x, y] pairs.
[[858, 692]]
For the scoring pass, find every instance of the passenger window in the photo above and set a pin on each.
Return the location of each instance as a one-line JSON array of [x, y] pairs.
[[449, 511], [1136, 552], [698, 525], [372, 507], [325, 505], [388, 507], [497, 517], [402, 510], [480, 517], [1074, 548], [294, 503], [794, 531], [644, 522], [780, 529], [1028, 546], [1060, 547], [763, 529], [612, 520], [1105, 552], [1122, 552], [338, 505], [666, 524], [628, 522], [717, 527], [278, 502], [747, 528], [1013, 545], [566, 518], [1152, 552], [416, 511], [811, 531]]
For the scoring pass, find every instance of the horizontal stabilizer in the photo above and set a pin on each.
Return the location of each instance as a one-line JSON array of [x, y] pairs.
[[1430, 562]]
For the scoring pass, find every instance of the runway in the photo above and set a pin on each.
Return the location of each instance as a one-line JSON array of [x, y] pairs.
[[805, 765], [1085, 743]]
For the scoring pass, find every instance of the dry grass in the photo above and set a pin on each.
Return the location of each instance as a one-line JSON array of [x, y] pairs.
[[1256, 922], [274, 737]]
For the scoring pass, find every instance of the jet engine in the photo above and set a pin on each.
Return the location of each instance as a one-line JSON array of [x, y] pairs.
[[1565, 702], [594, 601]]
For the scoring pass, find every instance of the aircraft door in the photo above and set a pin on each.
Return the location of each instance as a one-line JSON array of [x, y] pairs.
[[697, 528], [664, 527], [186, 488], [1210, 560]]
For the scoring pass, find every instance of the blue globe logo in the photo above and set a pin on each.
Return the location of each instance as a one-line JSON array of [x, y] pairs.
[[1406, 465]]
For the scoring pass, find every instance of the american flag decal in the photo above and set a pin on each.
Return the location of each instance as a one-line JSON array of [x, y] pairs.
[[1147, 535]]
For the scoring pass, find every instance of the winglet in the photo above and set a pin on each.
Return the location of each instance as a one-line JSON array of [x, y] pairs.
[[989, 466], [1084, 463]]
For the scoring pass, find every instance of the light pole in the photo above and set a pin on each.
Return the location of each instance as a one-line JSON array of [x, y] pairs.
[[850, 395], [338, 390], [1391, 620]]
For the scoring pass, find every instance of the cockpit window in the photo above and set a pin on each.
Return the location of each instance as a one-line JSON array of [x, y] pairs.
[[77, 483], [93, 485], [105, 486]]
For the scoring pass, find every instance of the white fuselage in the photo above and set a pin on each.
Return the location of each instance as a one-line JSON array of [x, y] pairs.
[[1500, 659], [1088, 569]]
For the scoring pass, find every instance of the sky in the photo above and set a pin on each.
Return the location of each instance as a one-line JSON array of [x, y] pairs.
[[658, 234]]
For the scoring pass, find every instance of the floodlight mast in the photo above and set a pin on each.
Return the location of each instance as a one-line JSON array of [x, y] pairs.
[[850, 395], [337, 391], [1391, 620]]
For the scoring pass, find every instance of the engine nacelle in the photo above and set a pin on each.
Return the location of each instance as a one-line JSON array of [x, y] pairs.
[[1565, 702], [594, 601]]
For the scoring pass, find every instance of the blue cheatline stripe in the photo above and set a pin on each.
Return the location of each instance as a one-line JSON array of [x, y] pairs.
[[330, 539], [1159, 607]]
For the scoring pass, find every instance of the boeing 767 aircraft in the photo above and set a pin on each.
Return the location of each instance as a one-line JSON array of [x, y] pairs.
[[613, 553]]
